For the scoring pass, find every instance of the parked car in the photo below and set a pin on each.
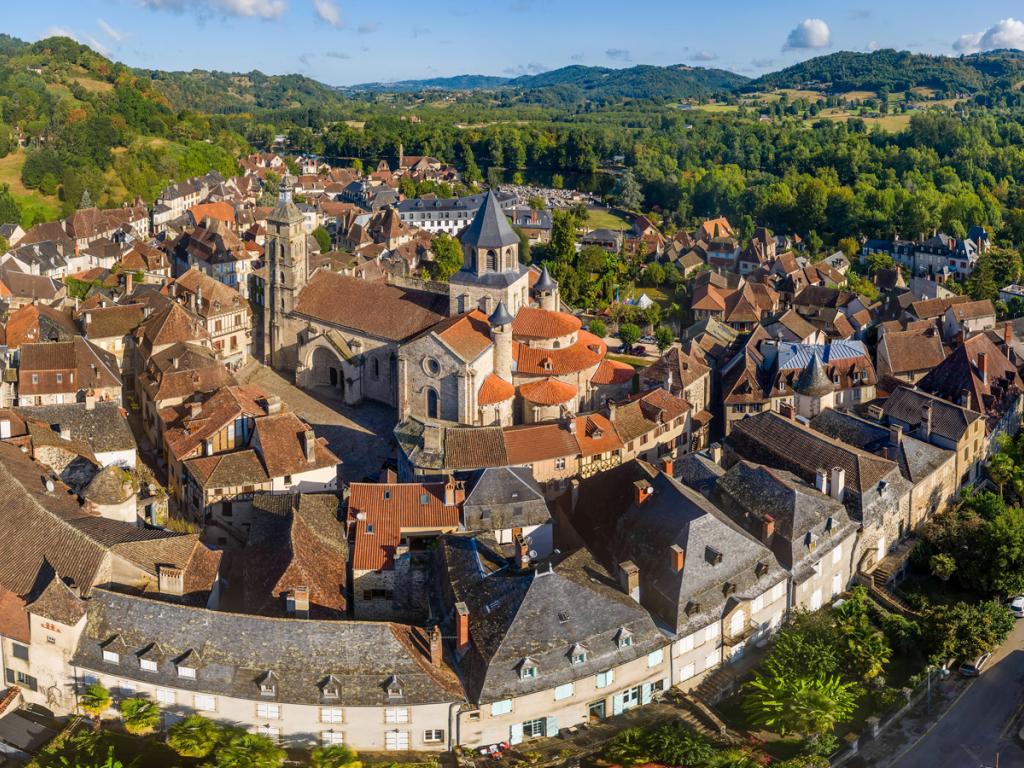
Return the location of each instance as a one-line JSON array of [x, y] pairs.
[[974, 668], [1017, 606], [648, 340]]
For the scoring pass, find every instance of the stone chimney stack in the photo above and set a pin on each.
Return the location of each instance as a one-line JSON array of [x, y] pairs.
[[678, 558], [629, 579], [767, 529], [642, 491], [170, 581], [838, 484], [298, 602], [983, 366], [926, 421], [462, 627], [436, 647], [309, 445], [821, 481]]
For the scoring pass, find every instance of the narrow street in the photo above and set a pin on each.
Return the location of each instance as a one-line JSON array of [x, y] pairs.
[[981, 725]]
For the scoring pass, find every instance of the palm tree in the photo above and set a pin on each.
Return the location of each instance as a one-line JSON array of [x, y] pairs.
[[674, 744], [337, 756], [628, 748], [140, 716], [802, 704], [95, 700], [248, 750], [195, 736], [867, 650]]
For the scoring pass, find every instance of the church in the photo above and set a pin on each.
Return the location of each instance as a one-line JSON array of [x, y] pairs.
[[490, 347]]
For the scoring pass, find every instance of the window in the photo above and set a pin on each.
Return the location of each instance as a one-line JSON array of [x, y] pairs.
[[205, 703], [60, 378], [268, 711], [164, 696], [126, 688], [533, 729], [563, 692], [579, 657], [710, 632], [147, 665], [654, 658], [21, 651], [502, 707], [560, 463], [332, 715], [189, 672], [604, 679], [685, 644], [269, 731], [837, 554], [35, 378], [433, 736], [396, 715], [111, 658], [396, 741], [778, 591], [711, 660]]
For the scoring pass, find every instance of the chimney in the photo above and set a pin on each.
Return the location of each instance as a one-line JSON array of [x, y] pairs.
[[965, 397], [926, 421], [838, 483], [629, 579], [454, 492], [309, 445], [298, 602], [678, 558], [433, 436], [88, 318], [1007, 334], [272, 405], [462, 627], [65, 433], [171, 581], [787, 411], [436, 647], [876, 412], [983, 366], [767, 529], [895, 434], [174, 362], [129, 282], [667, 465], [611, 411], [821, 481], [194, 409], [715, 451], [522, 552], [90, 402], [642, 491]]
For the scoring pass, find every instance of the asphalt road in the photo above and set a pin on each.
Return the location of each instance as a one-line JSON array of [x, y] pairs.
[[981, 726]]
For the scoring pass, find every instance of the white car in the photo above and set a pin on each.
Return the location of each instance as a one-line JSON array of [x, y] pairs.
[[1017, 606]]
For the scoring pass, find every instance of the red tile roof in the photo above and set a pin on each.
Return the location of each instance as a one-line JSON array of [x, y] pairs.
[[538, 442], [467, 335], [280, 439], [595, 434], [587, 352], [535, 323], [613, 372], [547, 392], [494, 390]]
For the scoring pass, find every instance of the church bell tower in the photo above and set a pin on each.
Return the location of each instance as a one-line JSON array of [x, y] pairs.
[[286, 272]]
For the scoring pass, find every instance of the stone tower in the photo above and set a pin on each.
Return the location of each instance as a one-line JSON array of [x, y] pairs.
[[286, 275], [547, 291], [813, 391], [501, 335]]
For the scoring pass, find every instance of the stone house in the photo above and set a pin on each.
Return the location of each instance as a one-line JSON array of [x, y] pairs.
[[222, 312], [52, 373]]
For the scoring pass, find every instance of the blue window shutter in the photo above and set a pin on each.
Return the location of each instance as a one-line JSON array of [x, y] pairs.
[[645, 693], [551, 727], [617, 704], [515, 733]]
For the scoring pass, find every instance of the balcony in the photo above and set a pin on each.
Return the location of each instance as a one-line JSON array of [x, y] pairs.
[[750, 629]]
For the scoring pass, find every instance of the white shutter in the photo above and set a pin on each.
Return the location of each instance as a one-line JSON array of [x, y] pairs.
[[645, 693], [616, 704], [551, 727], [515, 733]]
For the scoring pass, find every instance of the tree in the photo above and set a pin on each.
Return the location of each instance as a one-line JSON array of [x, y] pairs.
[[537, 203], [630, 195], [866, 650], [966, 630], [598, 328], [140, 716], [447, 256], [248, 750], [1002, 469], [663, 337], [95, 700], [194, 736], [323, 239], [628, 748], [850, 246], [674, 744], [10, 211], [557, 181], [562, 245], [803, 704], [942, 566], [629, 334], [525, 249], [337, 756]]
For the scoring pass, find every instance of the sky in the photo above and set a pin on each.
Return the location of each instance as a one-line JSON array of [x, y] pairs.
[[343, 42]]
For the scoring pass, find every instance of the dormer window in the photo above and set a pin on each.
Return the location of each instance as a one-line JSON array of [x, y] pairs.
[[714, 557], [268, 684], [186, 672], [147, 665], [810, 541], [578, 654], [623, 638], [527, 669], [111, 657], [393, 686], [185, 665], [330, 688], [761, 569]]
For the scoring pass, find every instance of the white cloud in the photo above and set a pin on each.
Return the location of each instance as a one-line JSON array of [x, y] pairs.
[[114, 34], [96, 45], [259, 9], [328, 11], [704, 56], [809, 33], [1008, 33], [533, 68]]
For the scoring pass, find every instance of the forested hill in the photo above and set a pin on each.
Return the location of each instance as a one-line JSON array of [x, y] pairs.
[[234, 92], [899, 71]]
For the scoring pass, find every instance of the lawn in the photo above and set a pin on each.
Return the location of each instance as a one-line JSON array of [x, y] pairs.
[[636, 362], [35, 206], [601, 219]]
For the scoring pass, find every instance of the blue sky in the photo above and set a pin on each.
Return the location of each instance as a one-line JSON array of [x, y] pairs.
[[343, 42]]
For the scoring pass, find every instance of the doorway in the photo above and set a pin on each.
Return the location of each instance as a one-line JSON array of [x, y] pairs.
[[596, 710]]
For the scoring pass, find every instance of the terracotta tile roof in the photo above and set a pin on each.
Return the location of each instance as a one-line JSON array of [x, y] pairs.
[[970, 310], [92, 367], [536, 323], [929, 308], [280, 440], [379, 512], [708, 298], [909, 351], [224, 407], [613, 372], [467, 335], [14, 621], [587, 352], [961, 372], [112, 322], [58, 603], [494, 390], [198, 370], [646, 412], [595, 434], [171, 325], [22, 326], [228, 469], [538, 442], [474, 447], [144, 258], [220, 211], [547, 392], [378, 309], [217, 298]]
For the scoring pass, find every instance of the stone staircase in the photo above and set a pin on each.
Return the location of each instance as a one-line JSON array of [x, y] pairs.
[[720, 683], [879, 579]]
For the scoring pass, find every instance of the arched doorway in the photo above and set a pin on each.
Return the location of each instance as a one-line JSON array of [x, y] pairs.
[[433, 404], [326, 370]]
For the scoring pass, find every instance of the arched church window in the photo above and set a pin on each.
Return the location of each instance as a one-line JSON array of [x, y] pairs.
[[433, 404], [492, 261], [376, 368]]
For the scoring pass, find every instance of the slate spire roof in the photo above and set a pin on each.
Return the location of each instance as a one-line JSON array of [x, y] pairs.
[[545, 283], [490, 227], [813, 382], [500, 316]]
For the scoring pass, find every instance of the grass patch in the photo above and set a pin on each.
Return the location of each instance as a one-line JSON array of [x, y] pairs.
[[94, 86], [35, 206], [636, 362], [599, 219], [859, 95]]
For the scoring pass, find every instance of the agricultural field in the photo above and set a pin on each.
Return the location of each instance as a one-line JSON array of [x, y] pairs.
[[35, 206]]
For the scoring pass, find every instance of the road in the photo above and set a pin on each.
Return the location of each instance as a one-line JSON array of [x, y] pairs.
[[981, 724]]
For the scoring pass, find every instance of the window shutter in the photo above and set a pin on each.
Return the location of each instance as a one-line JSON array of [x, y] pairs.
[[617, 704], [515, 733], [645, 693], [551, 727]]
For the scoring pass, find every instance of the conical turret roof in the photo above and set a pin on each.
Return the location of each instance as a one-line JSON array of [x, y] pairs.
[[814, 380], [545, 283], [490, 227], [500, 315]]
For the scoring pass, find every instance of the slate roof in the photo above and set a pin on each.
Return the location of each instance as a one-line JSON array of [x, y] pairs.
[[490, 227], [949, 420], [376, 309], [684, 369], [104, 427], [504, 497], [232, 652], [961, 372], [541, 615]]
